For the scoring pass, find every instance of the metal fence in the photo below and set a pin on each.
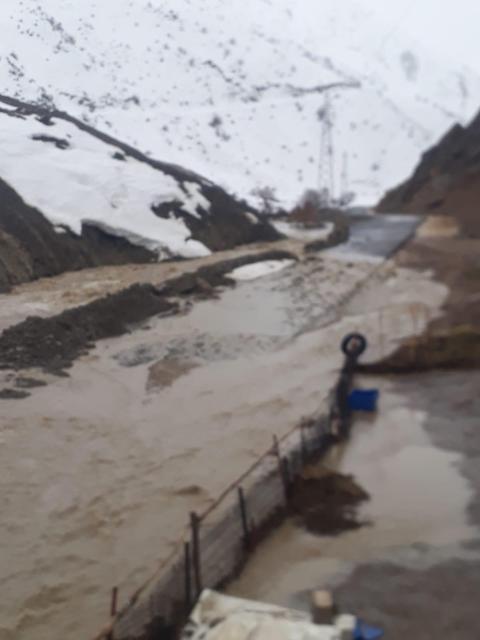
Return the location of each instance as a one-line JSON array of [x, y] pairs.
[[220, 540]]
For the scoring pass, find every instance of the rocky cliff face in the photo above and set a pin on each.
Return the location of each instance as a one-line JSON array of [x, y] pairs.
[[446, 181]]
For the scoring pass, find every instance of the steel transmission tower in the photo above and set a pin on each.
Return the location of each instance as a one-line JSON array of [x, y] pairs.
[[326, 172]]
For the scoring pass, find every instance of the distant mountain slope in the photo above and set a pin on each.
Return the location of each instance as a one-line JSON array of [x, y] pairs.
[[71, 197], [232, 89], [446, 181]]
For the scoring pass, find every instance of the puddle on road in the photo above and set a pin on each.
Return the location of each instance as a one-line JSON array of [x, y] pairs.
[[417, 509]]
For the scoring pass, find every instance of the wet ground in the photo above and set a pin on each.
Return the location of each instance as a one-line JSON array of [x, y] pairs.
[[437, 593], [415, 569], [100, 470]]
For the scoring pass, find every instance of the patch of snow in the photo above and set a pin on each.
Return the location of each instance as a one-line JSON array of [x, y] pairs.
[[195, 200], [84, 184], [259, 269], [252, 217], [299, 232]]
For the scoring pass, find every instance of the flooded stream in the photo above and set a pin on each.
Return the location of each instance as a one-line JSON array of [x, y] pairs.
[[100, 470]]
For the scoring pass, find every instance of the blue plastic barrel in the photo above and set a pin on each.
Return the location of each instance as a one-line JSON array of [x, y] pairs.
[[365, 631], [363, 400]]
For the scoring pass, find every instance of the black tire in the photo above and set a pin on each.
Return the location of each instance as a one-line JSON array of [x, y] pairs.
[[354, 344]]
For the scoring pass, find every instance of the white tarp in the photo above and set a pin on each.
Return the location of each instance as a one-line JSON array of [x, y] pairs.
[[219, 617]]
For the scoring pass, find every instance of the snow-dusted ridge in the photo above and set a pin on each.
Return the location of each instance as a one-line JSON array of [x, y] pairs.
[[231, 89]]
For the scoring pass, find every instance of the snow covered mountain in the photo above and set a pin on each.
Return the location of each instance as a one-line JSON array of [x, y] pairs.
[[232, 88]]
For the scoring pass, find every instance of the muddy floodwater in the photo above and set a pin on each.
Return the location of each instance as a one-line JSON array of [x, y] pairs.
[[99, 470]]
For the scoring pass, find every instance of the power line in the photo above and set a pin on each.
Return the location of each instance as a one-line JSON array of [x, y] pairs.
[[397, 24]]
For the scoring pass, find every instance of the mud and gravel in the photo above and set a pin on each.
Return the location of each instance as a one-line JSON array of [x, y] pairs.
[[325, 502], [12, 394], [29, 383], [54, 343]]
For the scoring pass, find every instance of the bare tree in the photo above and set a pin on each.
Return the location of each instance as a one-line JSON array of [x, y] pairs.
[[268, 198]]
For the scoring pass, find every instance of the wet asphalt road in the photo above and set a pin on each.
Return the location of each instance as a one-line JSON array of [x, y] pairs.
[[378, 235]]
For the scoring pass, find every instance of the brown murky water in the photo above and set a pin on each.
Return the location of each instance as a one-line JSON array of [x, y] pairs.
[[51, 295], [98, 469]]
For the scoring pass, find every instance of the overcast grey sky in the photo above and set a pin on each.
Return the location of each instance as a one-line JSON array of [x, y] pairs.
[[449, 26]]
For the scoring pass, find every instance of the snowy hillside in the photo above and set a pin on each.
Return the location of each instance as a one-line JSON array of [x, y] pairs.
[[232, 89], [98, 187], [72, 197]]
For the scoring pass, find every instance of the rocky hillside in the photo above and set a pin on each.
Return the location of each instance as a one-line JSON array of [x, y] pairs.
[[446, 181], [71, 197], [236, 90]]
